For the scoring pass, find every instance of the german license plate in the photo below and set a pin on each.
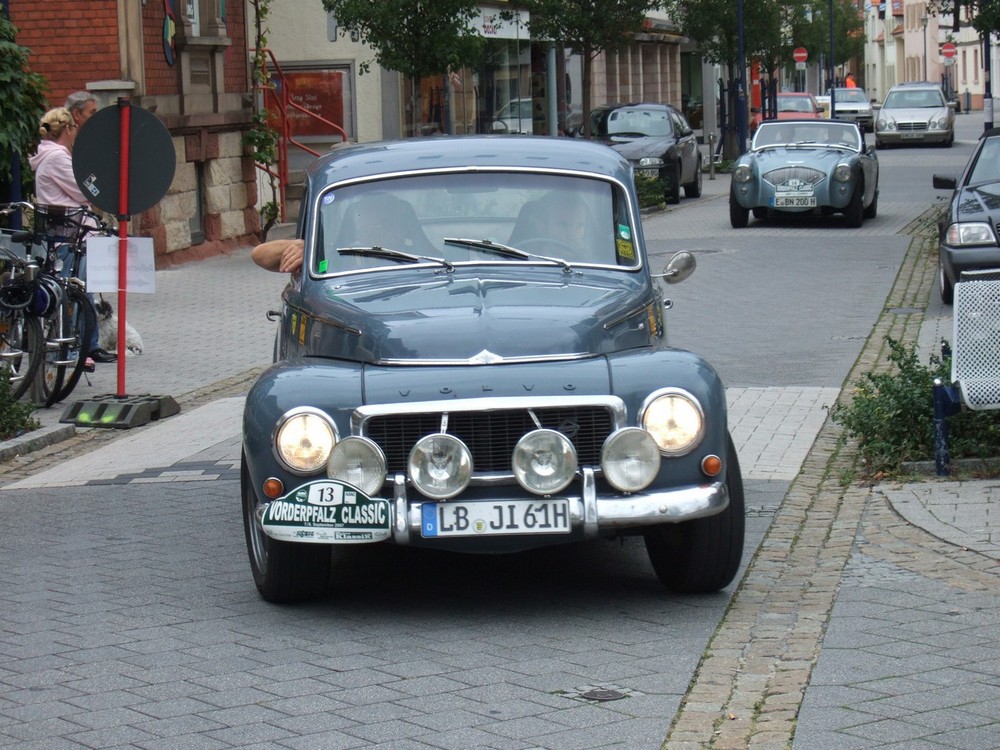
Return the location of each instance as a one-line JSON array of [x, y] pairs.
[[491, 519], [911, 136], [794, 201]]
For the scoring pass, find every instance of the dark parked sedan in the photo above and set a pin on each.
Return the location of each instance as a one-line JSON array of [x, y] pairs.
[[967, 233], [657, 140], [474, 358]]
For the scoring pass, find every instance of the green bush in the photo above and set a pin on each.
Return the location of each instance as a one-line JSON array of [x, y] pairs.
[[891, 415], [15, 416], [649, 189]]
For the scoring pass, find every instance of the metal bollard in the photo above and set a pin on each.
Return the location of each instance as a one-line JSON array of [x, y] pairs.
[[711, 156], [946, 402]]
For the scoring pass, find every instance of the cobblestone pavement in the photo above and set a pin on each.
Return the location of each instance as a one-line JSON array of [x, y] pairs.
[[865, 620]]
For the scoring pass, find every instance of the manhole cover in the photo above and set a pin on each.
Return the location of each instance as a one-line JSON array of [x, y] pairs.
[[603, 695]]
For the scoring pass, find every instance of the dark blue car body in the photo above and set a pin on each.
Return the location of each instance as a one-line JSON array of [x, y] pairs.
[[428, 313]]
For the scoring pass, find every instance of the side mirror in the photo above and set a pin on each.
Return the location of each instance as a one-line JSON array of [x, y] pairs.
[[678, 267], [945, 182]]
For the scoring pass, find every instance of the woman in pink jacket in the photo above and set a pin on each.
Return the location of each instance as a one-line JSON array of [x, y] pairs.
[[55, 184], [53, 163]]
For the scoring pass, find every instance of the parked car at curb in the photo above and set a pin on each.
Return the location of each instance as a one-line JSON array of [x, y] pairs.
[[657, 140], [852, 105], [474, 358], [516, 116], [915, 113], [805, 166], [791, 105], [967, 232]]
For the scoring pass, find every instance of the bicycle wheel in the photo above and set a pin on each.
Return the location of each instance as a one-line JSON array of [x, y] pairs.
[[68, 333], [21, 349]]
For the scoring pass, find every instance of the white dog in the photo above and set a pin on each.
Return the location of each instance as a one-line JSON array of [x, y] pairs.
[[107, 331]]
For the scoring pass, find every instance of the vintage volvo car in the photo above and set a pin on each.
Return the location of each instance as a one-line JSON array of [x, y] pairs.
[[474, 358], [805, 166]]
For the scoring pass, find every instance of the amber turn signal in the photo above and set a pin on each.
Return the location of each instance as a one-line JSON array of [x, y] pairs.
[[711, 465]]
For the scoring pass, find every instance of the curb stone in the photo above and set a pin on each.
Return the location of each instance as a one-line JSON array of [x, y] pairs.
[[750, 684]]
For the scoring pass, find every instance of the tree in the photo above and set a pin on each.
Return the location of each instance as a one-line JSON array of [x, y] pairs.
[[417, 38], [589, 27], [22, 102]]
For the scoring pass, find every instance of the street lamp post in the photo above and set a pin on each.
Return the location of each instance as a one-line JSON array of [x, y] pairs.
[[923, 22]]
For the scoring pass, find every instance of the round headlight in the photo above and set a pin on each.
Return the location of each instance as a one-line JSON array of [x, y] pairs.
[[742, 173], [675, 420], [360, 462], [630, 459], [842, 173], [544, 462], [440, 466], [303, 440]]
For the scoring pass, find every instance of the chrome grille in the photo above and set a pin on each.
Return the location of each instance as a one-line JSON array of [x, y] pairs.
[[788, 174], [491, 435], [910, 127]]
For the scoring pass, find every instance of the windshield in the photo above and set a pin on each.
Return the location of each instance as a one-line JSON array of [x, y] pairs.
[[914, 99], [796, 104], [634, 120], [851, 95], [819, 133], [558, 218], [987, 167]]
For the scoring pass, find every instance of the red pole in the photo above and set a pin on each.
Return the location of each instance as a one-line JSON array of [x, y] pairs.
[[125, 121]]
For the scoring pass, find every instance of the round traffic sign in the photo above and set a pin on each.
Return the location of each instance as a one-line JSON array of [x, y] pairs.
[[948, 49], [801, 54], [97, 159]]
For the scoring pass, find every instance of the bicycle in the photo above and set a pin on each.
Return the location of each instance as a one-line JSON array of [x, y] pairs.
[[64, 312]]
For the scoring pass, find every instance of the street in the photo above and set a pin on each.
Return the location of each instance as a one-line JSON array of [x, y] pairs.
[[130, 618]]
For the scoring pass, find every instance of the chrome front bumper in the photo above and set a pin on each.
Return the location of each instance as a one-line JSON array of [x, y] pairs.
[[591, 513]]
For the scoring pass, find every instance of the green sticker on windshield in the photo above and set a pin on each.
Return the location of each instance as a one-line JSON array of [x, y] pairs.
[[624, 231], [323, 265]]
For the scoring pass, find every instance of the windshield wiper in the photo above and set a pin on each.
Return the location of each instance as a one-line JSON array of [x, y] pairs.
[[506, 251], [386, 253]]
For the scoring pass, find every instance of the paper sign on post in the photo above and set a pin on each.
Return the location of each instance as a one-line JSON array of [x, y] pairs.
[[102, 265]]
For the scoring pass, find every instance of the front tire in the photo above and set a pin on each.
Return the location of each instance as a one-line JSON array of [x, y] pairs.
[[855, 211], [282, 571], [739, 217], [701, 556], [693, 188], [672, 195], [872, 211], [946, 287]]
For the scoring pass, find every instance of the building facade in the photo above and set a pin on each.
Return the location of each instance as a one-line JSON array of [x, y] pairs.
[[184, 60]]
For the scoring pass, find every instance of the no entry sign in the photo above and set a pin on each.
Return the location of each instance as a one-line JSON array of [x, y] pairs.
[[801, 54], [948, 50]]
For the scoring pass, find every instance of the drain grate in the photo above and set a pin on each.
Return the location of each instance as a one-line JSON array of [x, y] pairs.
[[602, 693]]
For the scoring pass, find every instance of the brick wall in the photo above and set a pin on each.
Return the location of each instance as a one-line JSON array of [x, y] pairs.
[[71, 42], [74, 43]]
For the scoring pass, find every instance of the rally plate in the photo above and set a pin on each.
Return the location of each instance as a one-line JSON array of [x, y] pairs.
[[327, 511]]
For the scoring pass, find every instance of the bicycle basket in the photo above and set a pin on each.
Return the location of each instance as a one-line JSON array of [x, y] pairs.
[[57, 223]]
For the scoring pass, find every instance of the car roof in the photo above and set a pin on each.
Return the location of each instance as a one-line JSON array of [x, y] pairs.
[[916, 85], [359, 161], [620, 105]]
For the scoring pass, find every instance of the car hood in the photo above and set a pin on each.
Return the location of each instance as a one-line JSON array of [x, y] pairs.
[[534, 312], [920, 114], [824, 159], [637, 148], [979, 203]]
